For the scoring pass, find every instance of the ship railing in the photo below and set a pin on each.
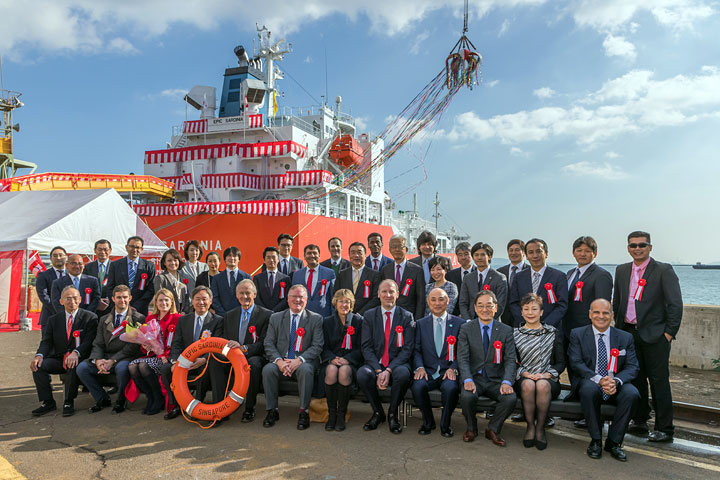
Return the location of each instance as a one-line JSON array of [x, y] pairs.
[[346, 118], [287, 120]]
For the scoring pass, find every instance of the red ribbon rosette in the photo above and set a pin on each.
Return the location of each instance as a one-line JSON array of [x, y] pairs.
[[300, 332], [171, 333], [612, 363], [578, 291], [253, 332], [399, 332], [120, 328], [143, 279], [498, 351], [76, 336], [323, 287], [88, 291], [282, 289], [552, 299], [366, 290], [486, 287], [451, 341], [641, 286], [347, 341], [406, 288]]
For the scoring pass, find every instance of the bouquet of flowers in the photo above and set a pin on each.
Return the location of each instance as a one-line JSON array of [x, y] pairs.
[[148, 335]]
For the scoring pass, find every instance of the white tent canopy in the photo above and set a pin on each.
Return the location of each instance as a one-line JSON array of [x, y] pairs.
[[74, 219]]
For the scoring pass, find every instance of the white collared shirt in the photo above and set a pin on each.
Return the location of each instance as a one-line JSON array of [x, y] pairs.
[[402, 268], [230, 274], [483, 275], [67, 315], [582, 269], [357, 273], [316, 273], [385, 312], [443, 324], [541, 272], [335, 262], [606, 340]]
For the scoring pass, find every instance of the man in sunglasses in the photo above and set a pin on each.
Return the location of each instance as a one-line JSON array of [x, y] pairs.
[[648, 304]]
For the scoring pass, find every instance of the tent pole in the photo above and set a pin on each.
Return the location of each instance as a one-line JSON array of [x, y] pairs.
[[24, 311]]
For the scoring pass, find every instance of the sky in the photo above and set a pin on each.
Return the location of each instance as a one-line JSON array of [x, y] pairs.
[[592, 117]]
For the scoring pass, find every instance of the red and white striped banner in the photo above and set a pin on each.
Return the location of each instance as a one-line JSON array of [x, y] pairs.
[[35, 178], [268, 182], [222, 150], [272, 208], [195, 126], [255, 121], [180, 180], [308, 177]]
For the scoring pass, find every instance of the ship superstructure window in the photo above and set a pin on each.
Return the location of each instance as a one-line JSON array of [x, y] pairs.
[[233, 97], [234, 84]]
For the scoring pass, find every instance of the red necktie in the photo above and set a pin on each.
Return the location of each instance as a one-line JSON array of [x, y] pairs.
[[69, 326], [309, 284], [386, 354], [376, 264]]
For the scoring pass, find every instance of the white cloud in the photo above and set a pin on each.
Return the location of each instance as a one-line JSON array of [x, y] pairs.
[[121, 45], [612, 154], [544, 92], [631, 103], [518, 152], [618, 46], [604, 171], [504, 27], [613, 15], [492, 83], [307, 59], [361, 123], [421, 37]]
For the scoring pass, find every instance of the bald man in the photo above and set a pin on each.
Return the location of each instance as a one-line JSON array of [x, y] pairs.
[[87, 286]]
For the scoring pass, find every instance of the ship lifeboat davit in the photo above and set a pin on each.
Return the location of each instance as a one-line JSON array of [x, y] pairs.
[[346, 151]]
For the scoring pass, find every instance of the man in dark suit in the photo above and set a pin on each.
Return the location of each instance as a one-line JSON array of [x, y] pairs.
[[484, 278], [435, 362], [376, 260], [648, 304], [271, 284], [190, 329], [426, 246], [486, 360], [547, 282], [288, 264], [44, 281], [407, 276], [318, 280], [360, 279], [66, 341], [516, 255], [245, 327], [388, 337], [601, 377], [99, 268], [224, 283], [110, 354], [88, 286], [456, 275], [288, 330], [335, 262], [135, 272]]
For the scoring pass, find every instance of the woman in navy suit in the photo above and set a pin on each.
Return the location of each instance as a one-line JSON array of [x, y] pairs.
[[341, 357]]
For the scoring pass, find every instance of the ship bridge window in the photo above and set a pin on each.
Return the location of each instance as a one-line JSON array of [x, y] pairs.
[[234, 84], [233, 97]]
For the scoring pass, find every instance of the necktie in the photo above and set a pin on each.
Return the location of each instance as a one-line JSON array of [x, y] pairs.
[[101, 273], [375, 264], [58, 273], [481, 281], [513, 271], [234, 277], [293, 328], [76, 282], [69, 326], [438, 344], [575, 278], [310, 282], [601, 367], [535, 281], [118, 317], [465, 272], [486, 345], [244, 321], [131, 274], [271, 281], [198, 328], [385, 360], [356, 279], [398, 277], [426, 270], [283, 266]]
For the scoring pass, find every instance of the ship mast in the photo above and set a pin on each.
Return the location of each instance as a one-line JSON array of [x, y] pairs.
[[271, 53]]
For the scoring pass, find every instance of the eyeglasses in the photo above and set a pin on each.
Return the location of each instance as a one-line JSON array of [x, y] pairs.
[[639, 245], [75, 263], [485, 307]]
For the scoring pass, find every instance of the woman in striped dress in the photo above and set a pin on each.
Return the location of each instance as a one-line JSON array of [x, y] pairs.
[[541, 360], [439, 267]]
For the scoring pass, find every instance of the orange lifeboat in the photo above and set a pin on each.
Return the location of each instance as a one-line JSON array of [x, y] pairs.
[[346, 151]]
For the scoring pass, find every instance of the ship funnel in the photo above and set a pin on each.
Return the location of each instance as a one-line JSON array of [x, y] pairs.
[[241, 54], [202, 98]]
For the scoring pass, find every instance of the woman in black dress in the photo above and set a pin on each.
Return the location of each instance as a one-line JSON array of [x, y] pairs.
[[341, 357], [541, 360], [213, 262]]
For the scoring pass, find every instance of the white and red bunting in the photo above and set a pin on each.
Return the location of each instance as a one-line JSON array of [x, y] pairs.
[[272, 208], [223, 150]]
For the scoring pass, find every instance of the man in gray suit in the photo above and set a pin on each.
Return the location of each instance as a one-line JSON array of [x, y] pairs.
[[288, 330], [485, 278], [486, 360]]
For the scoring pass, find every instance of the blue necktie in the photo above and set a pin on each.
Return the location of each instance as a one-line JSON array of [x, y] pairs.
[[243, 322], [101, 274], [438, 345], [198, 329], [293, 328], [601, 367], [76, 282], [131, 274], [486, 345], [575, 279], [116, 323]]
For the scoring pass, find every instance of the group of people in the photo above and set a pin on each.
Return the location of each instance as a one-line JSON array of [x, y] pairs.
[[375, 323]]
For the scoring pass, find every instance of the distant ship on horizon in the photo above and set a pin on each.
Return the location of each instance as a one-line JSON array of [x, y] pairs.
[[704, 266]]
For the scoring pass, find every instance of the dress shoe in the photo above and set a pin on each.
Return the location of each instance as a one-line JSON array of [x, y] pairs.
[[112, 390], [540, 445], [376, 419], [494, 438], [638, 427], [68, 409], [446, 432], [528, 443], [119, 407], [518, 417], [303, 420], [105, 402], [175, 412], [44, 408], [426, 429], [660, 437], [469, 435], [271, 417], [394, 424], [248, 415], [594, 450], [582, 423], [550, 422], [616, 450], [489, 415]]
